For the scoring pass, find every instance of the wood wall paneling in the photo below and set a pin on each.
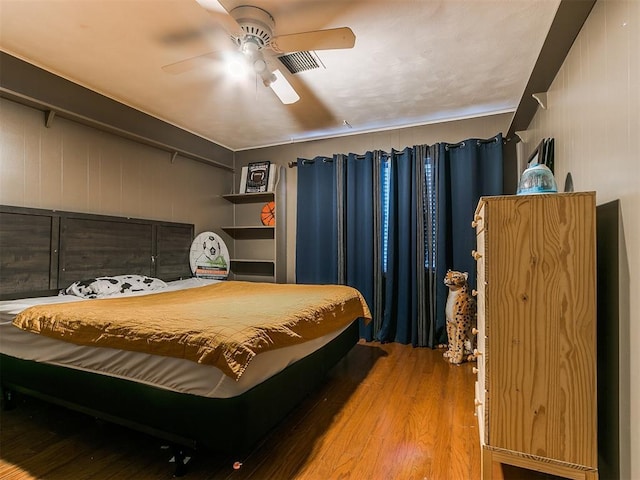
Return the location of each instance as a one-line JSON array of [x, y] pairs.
[[566, 26], [35, 87]]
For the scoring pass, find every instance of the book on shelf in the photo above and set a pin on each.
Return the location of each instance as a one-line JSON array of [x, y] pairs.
[[257, 177], [216, 272]]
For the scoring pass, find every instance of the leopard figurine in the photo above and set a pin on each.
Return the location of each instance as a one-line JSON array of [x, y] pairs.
[[461, 318]]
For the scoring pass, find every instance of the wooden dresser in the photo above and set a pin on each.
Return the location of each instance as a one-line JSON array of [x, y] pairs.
[[536, 292]]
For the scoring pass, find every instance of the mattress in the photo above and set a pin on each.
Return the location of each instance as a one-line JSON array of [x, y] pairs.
[[168, 373]]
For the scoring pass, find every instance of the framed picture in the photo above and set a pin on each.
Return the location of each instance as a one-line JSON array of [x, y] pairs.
[[257, 177], [543, 154], [537, 156]]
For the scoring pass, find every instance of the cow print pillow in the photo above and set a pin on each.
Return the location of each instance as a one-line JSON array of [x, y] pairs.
[[105, 286]]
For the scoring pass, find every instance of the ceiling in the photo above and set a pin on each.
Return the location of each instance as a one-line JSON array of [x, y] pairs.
[[414, 62]]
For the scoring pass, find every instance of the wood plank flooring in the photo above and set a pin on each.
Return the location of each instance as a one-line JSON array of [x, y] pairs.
[[386, 412]]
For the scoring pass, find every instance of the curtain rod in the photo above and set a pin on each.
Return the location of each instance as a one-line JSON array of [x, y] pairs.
[[398, 152], [329, 159], [311, 160], [356, 155], [449, 146]]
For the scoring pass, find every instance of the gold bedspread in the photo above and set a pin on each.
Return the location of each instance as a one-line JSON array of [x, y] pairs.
[[224, 324]]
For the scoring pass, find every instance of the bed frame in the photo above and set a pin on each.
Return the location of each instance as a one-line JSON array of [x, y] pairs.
[[42, 251]]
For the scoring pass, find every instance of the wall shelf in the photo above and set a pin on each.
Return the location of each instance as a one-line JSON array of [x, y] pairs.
[[250, 231], [258, 251], [249, 197]]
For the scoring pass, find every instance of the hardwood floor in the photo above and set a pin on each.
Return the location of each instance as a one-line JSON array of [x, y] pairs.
[[386, 411]]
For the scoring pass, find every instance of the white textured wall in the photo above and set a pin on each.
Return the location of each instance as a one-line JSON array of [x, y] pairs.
[[77, 168], [594, 115]]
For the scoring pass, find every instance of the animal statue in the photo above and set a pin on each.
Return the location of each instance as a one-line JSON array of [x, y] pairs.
[[461, 318]]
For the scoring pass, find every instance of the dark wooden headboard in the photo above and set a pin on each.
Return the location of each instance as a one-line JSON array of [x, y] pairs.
[[42, 251]]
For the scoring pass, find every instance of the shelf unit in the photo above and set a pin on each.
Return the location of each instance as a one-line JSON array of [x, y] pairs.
[[258, 251], [536, 389]]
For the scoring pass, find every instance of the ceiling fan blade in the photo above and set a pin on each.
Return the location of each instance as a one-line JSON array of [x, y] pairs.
[[333, 38], [181, 37], [221, 17], [283, 89], [190, 63]]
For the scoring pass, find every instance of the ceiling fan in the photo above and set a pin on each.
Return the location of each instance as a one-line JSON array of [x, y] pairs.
[[252, 31]]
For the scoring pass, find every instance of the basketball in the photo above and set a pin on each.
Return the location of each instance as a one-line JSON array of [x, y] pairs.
[[268, 214]]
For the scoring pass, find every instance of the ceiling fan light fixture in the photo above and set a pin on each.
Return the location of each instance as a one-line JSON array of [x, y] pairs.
[[259, 66], [283, 89], [268, 78], [256, 23], [251, 29], [255, 58], [236, 66]]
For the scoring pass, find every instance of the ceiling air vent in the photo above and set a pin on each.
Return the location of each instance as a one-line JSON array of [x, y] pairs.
[[300, 61]]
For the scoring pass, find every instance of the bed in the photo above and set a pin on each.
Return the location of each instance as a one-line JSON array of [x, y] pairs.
[[195, 397]]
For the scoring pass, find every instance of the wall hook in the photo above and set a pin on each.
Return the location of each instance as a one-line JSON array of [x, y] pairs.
[[541, 99]]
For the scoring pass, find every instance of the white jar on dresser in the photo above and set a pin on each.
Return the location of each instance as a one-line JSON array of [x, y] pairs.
[[536, 354]]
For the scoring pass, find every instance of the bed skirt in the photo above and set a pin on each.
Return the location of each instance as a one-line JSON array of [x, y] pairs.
[[228, 425]]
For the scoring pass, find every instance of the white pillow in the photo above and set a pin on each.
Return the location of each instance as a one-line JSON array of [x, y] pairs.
[[105, 286]]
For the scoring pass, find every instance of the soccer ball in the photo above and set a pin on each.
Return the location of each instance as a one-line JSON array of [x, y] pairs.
[[211, 248]]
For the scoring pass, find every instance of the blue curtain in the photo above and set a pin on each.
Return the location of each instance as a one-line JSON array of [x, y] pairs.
[[360, 235], [432, 196], [402, 292], [465, 172], [317, 222], [335, 239]]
